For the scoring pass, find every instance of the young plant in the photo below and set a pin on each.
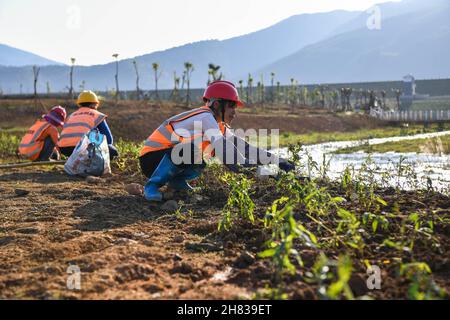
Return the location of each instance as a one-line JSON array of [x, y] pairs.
[[128, 161], [285, 231], [239, 204], [376, 221], [307, 195], [419, 228], [341, 287], [349, 226], [321, 273], [422, 286]]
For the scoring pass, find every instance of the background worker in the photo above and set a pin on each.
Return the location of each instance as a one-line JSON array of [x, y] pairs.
[[86, 118], [39, 142], [156, 157]]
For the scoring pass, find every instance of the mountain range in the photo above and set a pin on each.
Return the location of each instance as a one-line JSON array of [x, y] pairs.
[[414, 37], [415, 42], [14, 57]]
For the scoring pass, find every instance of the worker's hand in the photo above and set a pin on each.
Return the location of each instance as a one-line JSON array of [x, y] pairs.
[[285, 165]]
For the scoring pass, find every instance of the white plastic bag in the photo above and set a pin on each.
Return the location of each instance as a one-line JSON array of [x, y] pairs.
[[90, 157]]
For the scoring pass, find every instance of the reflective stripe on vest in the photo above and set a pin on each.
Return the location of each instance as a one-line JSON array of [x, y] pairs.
[[165, 138], [78, 124], [31, 146]]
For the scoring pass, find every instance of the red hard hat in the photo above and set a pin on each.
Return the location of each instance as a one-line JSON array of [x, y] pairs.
[[222, 90], [56, 116]]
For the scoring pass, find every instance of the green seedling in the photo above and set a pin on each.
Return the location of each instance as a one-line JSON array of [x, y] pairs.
[[239, 203]]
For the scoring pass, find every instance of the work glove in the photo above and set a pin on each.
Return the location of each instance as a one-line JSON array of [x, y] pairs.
[[286, 166]]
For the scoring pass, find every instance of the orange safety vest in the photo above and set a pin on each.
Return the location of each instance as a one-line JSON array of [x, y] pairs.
[[78, 124], [32, 143], [165, 137]]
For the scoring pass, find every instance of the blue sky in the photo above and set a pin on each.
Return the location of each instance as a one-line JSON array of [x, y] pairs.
[[92, 30]]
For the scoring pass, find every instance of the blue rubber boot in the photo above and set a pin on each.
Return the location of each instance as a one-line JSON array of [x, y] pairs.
[[165, 171], [180, 181]]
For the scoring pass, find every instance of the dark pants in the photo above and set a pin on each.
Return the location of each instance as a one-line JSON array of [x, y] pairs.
[[48, 151], [150, 161], [113, 153]]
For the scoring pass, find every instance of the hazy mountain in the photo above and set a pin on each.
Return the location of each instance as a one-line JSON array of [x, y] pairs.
[[10, 56], [312, 48], [417, 42], [237, 56], [388, 10]]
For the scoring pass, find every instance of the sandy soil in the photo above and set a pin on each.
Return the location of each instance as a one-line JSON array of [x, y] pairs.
[[127, 248]]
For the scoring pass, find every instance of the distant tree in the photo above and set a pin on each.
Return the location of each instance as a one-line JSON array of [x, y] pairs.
[[342, 99], [272, 88], [189, 68], [83, 86], [49, 90], [383, 97], [398, 94], [138, 90], [117, 94], [278, 92], [72, 60], [372, 99], [258, 92], [365, 96], [293, 93], [36, 71], [174, 96], [304, 96], [335, 99], [249, 89], [157, 75], [183, 80], [212, 73], [263, 90], [321, 93], [359, 97], [241, 88], [348, 95]]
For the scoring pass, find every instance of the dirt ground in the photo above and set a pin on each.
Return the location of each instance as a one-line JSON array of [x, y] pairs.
[[135, 121], [127, 248]]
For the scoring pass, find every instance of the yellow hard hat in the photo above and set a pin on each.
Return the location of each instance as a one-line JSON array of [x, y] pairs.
[[87, 96]]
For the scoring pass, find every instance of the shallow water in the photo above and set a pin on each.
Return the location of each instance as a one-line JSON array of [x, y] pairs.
[[390, 169]]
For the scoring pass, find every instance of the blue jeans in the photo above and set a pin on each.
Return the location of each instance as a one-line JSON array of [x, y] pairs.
[[47, 151]]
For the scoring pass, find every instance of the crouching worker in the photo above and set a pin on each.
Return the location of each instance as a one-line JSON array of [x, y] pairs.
[[173, 154], [39, 143], [86, 118]]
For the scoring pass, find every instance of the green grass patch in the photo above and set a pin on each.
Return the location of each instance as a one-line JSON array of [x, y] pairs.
[[288, 138], [8, 145]]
